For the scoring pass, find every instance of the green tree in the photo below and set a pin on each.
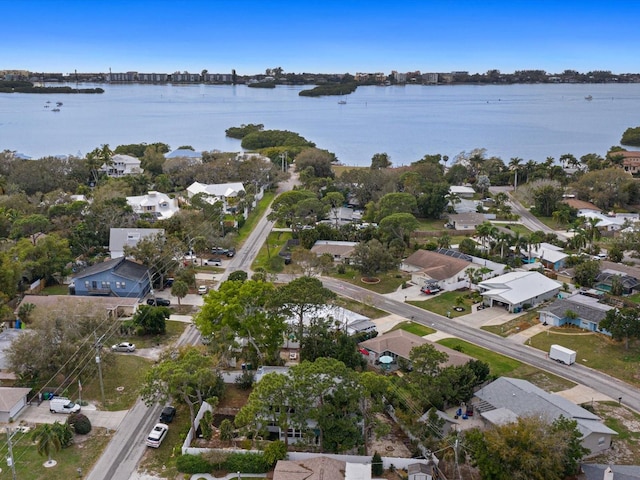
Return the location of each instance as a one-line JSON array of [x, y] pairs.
[[46, 439], [302, 297], [623, 324], [426, 361], [46, 259], [179, 289], [546, 198], [585, 273], [372, 257], [395, 203], [320, 162], [64, 432], [151, 320], [380, 160], [631, 136], [187, 374], [275, 451], [398, 226], [244, 309], [159, 252], [226, 430], [31, 227]]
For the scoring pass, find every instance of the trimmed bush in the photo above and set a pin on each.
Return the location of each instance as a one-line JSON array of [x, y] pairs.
[[247, 463], [192, 464], [376, 465], [275, 451], [80, 423]]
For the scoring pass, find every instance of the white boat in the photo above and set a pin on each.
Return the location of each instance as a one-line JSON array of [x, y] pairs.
[[588, 97], [342, 102], [59, 104]]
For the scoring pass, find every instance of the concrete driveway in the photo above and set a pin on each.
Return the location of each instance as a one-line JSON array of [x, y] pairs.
[[34, 415]]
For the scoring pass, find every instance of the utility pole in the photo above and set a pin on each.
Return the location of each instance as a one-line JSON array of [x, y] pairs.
[[98, 346], [10, 461]]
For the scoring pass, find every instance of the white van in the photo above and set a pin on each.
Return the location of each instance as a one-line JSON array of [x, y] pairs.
[[63, 405]]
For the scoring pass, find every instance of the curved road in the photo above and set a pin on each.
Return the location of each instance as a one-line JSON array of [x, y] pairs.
[[576, 373]]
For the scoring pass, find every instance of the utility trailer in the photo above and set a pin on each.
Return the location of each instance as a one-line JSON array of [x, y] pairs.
[[562, 354]]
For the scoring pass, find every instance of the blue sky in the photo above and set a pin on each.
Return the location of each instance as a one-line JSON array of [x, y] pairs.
[[319, 36]]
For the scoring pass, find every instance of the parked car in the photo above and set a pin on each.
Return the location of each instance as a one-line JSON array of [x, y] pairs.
[[63, 405], [168, 282], [159, 302], [214, 262], [231, 252], [219, 251], [157, 435], [123, 347], [202, 289], [430, 289], [167, 414]]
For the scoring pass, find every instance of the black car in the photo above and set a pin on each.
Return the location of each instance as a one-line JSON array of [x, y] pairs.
[[167, 414], [159, 302], [231, 252]]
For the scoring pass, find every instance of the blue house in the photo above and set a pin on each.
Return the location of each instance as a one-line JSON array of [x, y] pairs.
[[116, 278], [579, 310]]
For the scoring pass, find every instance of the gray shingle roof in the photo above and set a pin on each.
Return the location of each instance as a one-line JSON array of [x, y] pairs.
[[121, 266], [621, 472], [586, 312]]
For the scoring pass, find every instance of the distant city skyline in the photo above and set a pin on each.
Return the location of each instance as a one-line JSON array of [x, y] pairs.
[[319, 37]]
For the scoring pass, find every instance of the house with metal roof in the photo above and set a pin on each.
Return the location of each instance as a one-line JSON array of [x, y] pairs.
[[227, 193], [510, 398], [116, 278], [551, 256], [582, 311], [128, 237], [514, 290]]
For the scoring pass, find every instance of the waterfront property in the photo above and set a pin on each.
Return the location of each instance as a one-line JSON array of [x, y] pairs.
[[156, 204]]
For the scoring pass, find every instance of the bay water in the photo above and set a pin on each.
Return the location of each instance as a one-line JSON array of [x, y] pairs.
[[532, 122]]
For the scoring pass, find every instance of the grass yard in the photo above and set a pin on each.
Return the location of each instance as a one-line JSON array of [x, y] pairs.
[[446, 302], [595, 351], [389, 282], [83, 453], [515, 325], [415, 328], [275, 242], [515, 227], [254, 216], [504, 366], [340, 169], [430, 225], [56, 290], [361, 308]]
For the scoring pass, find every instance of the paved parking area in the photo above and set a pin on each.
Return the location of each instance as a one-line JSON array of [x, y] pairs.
[[487, 316], [34, 414]]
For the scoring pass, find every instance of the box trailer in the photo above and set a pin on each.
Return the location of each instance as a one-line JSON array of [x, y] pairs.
[[562, 354]]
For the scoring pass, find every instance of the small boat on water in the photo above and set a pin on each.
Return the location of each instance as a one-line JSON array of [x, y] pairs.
[[588, 97], [55, 110], [342, 102], [59, 104]]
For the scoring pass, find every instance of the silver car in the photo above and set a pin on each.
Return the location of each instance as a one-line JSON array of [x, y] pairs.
[[123, 347]]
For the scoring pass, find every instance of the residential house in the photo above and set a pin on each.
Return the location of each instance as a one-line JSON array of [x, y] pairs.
[[427, 266], [7, 336], [321, 468], [340, 251], [12, 401], [399, 343], [466, 221], [581, 206], [591, 471], [508, 398], [128, 237], [608, 277], [630, 161], [550, 256], [113, 307], [515, 290], [118, 278], [583, 311], [462, 191], [193, 157], [227, 193], [122, 165], [156, 204], [422, 471], [340, 318]]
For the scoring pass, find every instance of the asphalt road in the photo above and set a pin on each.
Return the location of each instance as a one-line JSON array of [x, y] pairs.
[[576, 373]]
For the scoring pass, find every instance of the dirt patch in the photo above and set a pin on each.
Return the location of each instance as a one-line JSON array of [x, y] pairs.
[[394, 444]]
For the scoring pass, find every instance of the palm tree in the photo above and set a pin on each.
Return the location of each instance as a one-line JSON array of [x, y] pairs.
[[515, 165], [444, 241], [485, 230], [47, 439], [504, 240], [453, 199], [593, 232]]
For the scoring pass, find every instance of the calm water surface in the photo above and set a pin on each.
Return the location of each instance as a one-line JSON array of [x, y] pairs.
[[528, 121]]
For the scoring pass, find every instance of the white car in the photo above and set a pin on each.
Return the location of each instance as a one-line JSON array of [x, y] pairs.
[[202, 289], [157, 435], [123, 347]]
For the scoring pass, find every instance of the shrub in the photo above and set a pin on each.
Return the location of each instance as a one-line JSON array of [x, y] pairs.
[[376, 465], [341, 269], [245, 381], [64, 432], [247, 463], [275, 451], [205, 425], [192, 464], [80, 423]]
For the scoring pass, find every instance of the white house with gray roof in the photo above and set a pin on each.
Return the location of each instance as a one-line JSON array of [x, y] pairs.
[[505, 399], [514, 290], [122, 165], [227, 193], [128, 237]]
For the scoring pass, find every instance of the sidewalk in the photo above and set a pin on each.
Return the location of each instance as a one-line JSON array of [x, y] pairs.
[[525, 335]]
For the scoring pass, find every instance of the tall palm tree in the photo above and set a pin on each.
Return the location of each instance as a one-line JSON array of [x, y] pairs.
[[485, 231], [47, 440], [593, 232]]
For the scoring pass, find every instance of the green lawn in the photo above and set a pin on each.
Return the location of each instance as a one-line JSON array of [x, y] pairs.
[[514, 325], [254, 216], [515, 227], [56, 290], [275, 242], [444, 303], [389, 282], [430, 225], [83, 453], [361, 308], [505, 366], [595, 351], [415, 328]]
